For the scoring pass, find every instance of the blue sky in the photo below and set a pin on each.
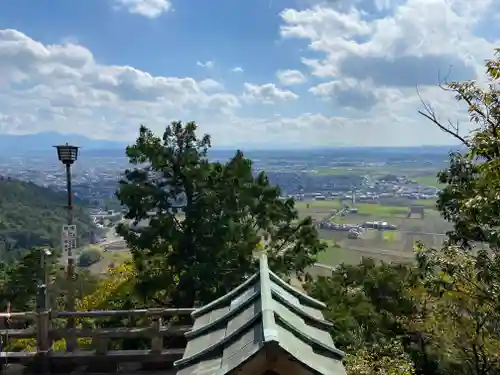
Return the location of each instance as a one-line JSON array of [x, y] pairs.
[[228, 31], [270, 73]]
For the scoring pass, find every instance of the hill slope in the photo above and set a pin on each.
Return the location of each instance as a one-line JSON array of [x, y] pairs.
[[31, 215]]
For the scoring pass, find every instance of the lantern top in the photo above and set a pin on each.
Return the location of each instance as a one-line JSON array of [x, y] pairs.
[[67, 154]]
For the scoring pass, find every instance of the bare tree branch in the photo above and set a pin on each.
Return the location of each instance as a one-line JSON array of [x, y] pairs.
[[429, 113]]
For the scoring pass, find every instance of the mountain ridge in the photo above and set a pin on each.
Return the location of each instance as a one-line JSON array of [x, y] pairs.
[[11, 144], [37, 142]]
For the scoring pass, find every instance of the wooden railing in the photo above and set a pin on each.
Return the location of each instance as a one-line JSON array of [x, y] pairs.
[[164, 330]]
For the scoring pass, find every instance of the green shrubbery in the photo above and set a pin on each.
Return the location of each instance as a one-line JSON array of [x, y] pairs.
[[89, 256]]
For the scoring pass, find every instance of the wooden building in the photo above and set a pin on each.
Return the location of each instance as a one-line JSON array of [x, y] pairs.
[[263, 327]]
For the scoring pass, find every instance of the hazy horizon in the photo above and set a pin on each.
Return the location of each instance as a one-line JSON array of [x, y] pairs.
[[113, 144]]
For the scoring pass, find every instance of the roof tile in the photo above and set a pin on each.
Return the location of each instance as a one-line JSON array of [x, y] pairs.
[[230, 330]]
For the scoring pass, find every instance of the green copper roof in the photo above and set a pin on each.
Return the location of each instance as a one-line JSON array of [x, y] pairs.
[[264, 309]]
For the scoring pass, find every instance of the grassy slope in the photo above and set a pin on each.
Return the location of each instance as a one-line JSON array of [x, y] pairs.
[[115, 258]]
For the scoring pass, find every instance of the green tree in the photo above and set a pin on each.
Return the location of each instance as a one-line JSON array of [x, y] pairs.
[[89, 256], [374, 308], [20, 280], [463, 301], [387, 360], [470, 198], [442, 313], [191, 260]]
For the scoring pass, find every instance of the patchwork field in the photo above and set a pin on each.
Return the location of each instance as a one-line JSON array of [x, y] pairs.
[[381, 245], [391, 246], [337, 254], [318, 210], [427, 176], [429, 180]]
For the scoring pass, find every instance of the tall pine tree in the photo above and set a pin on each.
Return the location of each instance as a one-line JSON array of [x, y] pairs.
[[190, 259]]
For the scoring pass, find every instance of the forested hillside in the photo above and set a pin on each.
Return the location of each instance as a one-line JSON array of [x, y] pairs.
[[31, 215]]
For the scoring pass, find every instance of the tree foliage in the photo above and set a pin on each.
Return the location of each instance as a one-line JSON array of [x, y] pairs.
[[32, 215], [389, 360], [20, 280], [470, 197], [441, 314], [89, 256], [226, 210]]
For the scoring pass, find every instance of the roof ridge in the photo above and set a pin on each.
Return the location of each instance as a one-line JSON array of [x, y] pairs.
[[267, 308]]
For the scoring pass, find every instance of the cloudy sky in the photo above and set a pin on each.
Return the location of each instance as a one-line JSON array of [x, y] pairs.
[[262, 73]]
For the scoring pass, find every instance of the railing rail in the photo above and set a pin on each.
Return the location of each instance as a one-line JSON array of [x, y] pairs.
[[162, 324]]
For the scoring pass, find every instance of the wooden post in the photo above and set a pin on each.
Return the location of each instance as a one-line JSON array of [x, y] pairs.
[[101, 344], [156, 364], [43, 328], [103, 364], [43, 341], [42, 321], [157, 339], [71, 340]]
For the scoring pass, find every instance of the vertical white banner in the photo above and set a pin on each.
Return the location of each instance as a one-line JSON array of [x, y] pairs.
[[68, 237]]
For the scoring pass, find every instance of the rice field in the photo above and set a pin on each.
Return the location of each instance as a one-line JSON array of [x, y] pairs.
[[381, 245], [430, 180]]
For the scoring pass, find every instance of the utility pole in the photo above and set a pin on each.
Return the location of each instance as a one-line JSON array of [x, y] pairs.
[[67, 155]]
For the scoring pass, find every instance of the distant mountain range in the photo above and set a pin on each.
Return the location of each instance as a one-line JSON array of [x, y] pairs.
[[40, 142]]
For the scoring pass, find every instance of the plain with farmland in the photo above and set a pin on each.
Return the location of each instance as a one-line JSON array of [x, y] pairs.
[[364, 203]]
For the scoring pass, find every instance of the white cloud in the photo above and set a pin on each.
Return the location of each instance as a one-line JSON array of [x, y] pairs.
[[210, 64], [290, 77], [211, 84], [146, 8], [237, 69], [54, 87], [419, 32], [326, 131], [371, 55], [267, 93], [353, 94]]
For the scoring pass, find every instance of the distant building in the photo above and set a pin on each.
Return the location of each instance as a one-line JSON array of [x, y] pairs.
[[353, 234], [416, 210], [381, 225]]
